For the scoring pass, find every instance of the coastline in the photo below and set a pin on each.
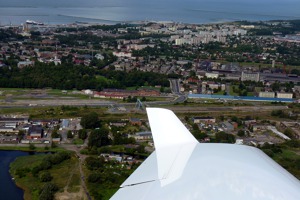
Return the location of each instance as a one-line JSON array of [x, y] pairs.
[[26, 190], [18, 185], [140, 22], [20, 171]]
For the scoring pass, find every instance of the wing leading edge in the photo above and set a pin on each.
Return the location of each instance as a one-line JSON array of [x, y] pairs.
[[181, 168]]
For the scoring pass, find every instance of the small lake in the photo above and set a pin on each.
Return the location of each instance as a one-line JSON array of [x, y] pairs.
[[8, 189]]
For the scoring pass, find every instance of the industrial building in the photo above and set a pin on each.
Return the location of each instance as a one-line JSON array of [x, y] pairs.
[[250, 76]]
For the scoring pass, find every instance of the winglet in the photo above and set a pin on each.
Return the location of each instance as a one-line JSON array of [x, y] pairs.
[[167, 130], [174, 145]]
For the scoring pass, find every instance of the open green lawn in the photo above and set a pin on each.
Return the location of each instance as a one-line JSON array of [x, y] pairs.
[[52, 112], [37, 149], [78, 141], [231, 91], [23, 94], [250, 94]]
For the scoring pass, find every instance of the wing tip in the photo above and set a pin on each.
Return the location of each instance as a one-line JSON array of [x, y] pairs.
[[167, 129]]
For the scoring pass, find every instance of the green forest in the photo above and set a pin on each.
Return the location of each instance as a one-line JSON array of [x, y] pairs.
[[69, 76]]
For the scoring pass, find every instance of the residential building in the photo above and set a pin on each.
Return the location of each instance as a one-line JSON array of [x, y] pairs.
[[142, 136], [22, 64], [284, 95], [135, 121], [267, 94]]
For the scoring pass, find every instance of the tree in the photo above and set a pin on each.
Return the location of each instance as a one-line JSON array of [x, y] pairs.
[[21, 133], [93, 163], [221, 117], [82, 134], [31, 146], [70, 134], [186, 118], [94, 177], [141, 149], [55, 134], [195, 127], [241, 133], [275, 86], [45, 177], [289, 132], [48, 191], [223, 137], [200, 136], [98, 138], [90, 121], [53, 145]]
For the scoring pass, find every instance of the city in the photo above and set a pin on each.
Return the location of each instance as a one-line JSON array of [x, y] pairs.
[[84, 87]]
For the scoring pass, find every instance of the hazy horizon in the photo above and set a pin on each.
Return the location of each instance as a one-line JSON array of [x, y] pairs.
[[189, 11]]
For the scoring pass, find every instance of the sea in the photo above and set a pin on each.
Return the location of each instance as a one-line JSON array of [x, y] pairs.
[[116, 11]]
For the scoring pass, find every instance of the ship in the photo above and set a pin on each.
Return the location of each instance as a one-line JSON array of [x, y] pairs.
[[34, 22]]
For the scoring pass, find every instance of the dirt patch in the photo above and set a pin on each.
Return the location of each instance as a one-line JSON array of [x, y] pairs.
[[71, 196]]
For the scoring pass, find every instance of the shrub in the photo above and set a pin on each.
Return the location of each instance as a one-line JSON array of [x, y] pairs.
[[48, 191], [45, 177]]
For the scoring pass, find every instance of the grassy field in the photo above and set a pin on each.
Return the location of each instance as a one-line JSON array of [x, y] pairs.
[[52, 112], [78, 141], [29, 184], [37, 149], [289, 159], [61, 173], [231, 91], [25, 94]]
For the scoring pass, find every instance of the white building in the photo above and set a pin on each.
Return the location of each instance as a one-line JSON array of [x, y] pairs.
[[284, 95], [249, 76], [22, 64], [267, 94], [180, 41], [122, 54], [212, 75], [98, 56]]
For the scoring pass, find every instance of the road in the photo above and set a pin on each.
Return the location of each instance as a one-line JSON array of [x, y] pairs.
[[214, 109], [175, 86]]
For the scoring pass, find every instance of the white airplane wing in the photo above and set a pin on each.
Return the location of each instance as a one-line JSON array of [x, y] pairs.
[[180, 168]]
